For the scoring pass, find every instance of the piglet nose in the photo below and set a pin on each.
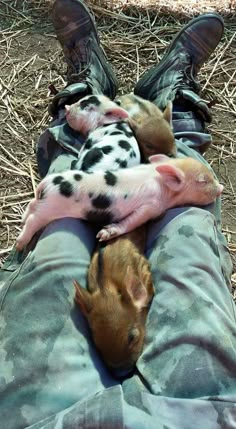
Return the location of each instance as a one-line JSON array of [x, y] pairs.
[[219, 190]]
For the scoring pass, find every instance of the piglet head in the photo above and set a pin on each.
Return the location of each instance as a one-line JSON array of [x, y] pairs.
[[116, 317], [200, 185], [189, 180], [152, 127], [93, 111]]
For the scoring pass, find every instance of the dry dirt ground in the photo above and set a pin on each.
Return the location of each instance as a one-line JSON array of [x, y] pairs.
[[134, 39]]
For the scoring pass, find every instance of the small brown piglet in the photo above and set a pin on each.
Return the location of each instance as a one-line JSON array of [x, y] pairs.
[[151, 126], [117, 298]]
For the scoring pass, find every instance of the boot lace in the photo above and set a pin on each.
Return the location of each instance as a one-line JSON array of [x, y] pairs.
[[188, 80], [78, 64], [80, 76]]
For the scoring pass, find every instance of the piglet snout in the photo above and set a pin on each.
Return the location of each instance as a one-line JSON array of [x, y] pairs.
[[220, 189]]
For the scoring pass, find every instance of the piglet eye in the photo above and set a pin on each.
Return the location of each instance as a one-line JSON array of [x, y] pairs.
[[202, 178], [118, 102], [133, 336], [90, 108]]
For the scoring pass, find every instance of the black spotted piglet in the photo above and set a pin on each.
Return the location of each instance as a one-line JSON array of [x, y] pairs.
[[110, 142], [120, 200]]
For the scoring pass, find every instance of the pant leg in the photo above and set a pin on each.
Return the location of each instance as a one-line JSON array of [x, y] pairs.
[[188, 366], [48, 361], [193, 316]]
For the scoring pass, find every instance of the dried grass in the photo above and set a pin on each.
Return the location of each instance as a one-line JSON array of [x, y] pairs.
[[134, 35], [176, 8]]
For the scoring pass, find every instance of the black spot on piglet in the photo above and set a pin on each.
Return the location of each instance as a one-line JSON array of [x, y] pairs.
[[110, 178], [92, 157], [88, 144], [115, 133], [125, 129], [107, 149], [91, 100], [77, 177], [124, 145], [57, 180], [132, 154], [101, 201], [66, 188], [122, 164]]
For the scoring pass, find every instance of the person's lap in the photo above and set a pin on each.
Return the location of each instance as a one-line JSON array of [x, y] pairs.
[[49, 362]]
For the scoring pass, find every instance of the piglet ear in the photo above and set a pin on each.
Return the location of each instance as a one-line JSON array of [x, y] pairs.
[[67, 108], [114, 114], [95, 280], [158, 158], [133, 124], [83, 299], [172, 176], [167, 114], [146, 279], [136, 290]]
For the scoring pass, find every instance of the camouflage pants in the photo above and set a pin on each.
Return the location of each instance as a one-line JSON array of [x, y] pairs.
[[51, 374]]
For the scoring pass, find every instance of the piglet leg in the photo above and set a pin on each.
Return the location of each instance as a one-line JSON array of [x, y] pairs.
[[38, 214], [32, 225], [135, 219], [32, 206]]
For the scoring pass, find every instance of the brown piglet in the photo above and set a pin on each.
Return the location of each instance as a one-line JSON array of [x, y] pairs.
[[151, 127], [117, 299]]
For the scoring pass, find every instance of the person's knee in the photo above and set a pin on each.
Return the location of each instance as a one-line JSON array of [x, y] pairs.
[[69, 240]]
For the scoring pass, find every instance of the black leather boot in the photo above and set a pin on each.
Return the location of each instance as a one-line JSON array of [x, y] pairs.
[[88, 71], [174, 78]]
